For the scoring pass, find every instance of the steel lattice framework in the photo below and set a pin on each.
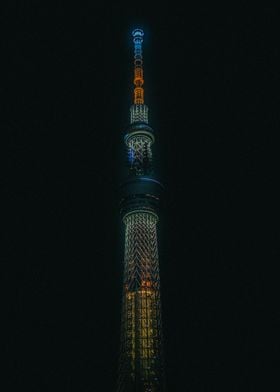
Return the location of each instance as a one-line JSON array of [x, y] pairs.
[[141, 316], [140, 154], [141, 359]]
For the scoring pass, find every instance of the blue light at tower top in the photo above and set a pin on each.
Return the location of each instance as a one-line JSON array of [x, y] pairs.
[[137, 33], [137, 40]]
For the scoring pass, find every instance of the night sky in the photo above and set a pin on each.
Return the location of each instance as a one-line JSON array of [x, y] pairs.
[[210, 79]]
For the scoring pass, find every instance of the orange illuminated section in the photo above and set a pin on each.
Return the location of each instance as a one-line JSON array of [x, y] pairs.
[[138, 76], [139, 95], [138, 67], [141, 331], [138, 82]]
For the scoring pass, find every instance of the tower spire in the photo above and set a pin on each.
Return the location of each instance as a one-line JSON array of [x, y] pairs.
[[138, 66], [138, 111]]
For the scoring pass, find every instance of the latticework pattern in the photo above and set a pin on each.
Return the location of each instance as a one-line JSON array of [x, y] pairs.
[[140, 154], [138, 113], [141, 351]]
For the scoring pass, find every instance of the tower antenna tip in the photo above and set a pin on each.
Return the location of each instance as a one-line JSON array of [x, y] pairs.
[[137, 33]]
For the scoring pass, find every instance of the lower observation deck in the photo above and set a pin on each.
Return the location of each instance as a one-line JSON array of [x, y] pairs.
[[139, 128], [143, 193]]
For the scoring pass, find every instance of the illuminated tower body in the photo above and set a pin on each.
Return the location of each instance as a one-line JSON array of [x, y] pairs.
[[141, 367]]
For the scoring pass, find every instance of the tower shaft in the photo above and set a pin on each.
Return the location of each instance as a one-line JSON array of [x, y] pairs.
[[141, 359]]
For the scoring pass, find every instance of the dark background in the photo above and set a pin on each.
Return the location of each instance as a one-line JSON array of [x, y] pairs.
[[210, 81]]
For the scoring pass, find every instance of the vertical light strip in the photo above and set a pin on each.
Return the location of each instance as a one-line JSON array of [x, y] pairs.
[[141, 299], [138, 67]]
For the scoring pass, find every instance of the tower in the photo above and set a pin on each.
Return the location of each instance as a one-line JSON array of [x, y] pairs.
[[141, 357]]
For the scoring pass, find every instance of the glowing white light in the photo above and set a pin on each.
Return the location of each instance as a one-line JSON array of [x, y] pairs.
[[138, 113]]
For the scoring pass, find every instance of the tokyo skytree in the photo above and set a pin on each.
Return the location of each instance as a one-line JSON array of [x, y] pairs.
[[141, 356]]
